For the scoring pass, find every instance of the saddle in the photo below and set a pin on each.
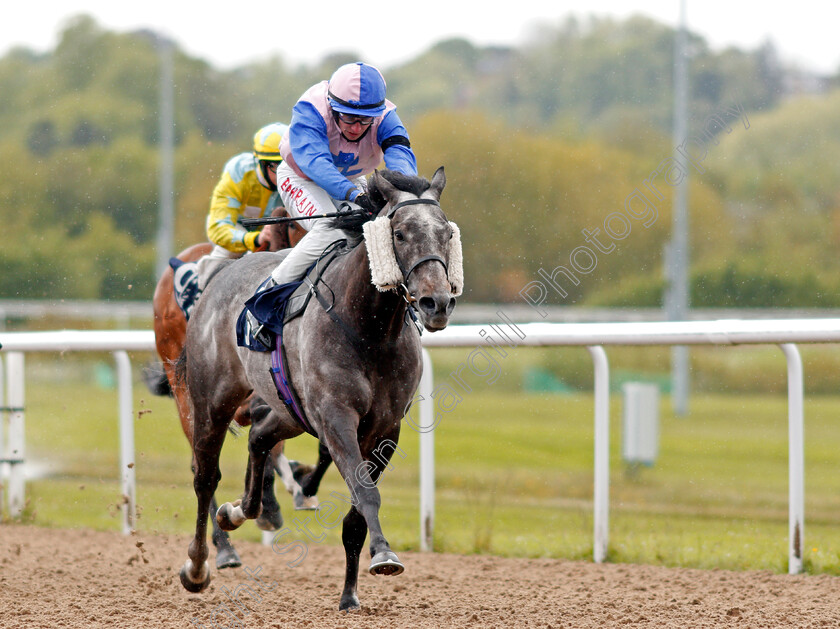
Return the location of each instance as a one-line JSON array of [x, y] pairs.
[[270, 309]]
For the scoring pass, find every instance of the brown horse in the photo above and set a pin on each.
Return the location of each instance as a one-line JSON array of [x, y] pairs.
[[170, 327]]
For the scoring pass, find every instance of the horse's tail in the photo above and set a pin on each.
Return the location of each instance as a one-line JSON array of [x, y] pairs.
[[156, 379]]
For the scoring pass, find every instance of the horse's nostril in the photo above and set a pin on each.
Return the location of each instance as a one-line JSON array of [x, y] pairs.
[[451, 306], [427, 304]]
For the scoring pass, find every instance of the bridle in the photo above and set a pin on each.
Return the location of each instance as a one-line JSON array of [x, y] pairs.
[[411, 269], [402, 289]]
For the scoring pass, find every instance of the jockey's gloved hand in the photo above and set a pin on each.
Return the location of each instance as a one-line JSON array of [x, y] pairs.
[[365, 203], [260, 242]]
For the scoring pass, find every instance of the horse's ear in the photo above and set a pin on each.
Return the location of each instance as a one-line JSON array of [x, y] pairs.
[[384, 187], [438, 183]]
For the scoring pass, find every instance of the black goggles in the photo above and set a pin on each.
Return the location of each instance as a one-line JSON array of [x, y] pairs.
[[365, 121]]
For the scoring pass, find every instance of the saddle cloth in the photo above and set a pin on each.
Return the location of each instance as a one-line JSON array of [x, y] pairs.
[[185, 285]]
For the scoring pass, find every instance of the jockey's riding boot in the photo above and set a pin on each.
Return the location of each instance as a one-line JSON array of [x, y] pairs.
[[261, 333], [185, 284]]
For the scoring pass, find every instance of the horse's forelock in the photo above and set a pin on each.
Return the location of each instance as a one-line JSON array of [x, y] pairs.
[[405, 183]]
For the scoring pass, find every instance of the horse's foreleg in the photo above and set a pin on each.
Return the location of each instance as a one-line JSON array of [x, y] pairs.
[[361, 476], [303, 481], [279, 463], [353, 535], [270, 519], [226, 555], [312, 481], [384, 560]]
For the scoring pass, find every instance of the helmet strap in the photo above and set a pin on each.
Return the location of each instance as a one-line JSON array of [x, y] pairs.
[[262, 175]]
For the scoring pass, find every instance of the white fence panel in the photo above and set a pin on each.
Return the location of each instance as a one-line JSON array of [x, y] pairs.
[[640, 423]]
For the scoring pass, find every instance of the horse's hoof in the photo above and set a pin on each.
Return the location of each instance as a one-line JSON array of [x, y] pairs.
[[227, 558], [230, 516], [299, 470], [305, 503], [349, 604], [387, 563], [201, 583], [270, 520]]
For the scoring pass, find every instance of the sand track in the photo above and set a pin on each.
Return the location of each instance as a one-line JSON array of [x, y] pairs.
[[82, 578]]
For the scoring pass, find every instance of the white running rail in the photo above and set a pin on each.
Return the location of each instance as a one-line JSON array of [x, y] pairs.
[[785, 333]]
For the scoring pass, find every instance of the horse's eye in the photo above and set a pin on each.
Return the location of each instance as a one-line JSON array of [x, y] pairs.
[[399, 236], [451, 234]]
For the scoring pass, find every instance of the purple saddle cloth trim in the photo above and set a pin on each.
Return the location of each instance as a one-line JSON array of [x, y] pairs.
[[280, 374]]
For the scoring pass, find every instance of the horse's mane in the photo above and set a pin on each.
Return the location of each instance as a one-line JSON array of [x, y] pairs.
[[407, 183]]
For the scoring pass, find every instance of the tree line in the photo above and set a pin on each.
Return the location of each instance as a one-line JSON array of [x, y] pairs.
[[540, 143]]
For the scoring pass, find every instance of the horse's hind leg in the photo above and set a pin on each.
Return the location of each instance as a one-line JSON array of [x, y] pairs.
[[226, 555], [263, 436], [195, 574], [303, 481]]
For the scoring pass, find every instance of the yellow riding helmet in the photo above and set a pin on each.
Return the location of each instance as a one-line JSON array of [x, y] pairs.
[[267, 142]]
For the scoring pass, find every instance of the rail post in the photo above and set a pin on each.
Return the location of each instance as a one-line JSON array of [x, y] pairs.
[[601, 494], [796, 458], [427, 456], [15, 451], [4, 467], [126, 419]]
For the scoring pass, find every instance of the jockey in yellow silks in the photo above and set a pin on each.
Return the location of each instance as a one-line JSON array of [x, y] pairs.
[[246, 189]]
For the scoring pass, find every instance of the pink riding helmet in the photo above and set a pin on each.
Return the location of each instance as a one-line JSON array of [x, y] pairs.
[[357, 88]]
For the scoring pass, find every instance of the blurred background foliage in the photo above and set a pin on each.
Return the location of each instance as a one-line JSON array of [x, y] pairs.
[[539, 143]]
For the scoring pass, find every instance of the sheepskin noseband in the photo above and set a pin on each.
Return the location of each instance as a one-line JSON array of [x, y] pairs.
[[456, 261], [385, 273]]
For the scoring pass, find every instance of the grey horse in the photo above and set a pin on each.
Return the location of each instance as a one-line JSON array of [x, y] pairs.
[[355, 365]]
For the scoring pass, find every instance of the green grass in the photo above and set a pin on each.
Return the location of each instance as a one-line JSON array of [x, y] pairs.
[[513, 473]]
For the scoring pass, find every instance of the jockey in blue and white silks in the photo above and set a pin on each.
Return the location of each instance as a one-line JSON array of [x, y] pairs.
[[341, 130]]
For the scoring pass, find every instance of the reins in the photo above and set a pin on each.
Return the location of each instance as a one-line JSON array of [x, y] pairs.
[[328, 308]]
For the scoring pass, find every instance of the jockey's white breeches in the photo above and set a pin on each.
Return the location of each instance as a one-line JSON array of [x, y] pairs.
[[303, 197]]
